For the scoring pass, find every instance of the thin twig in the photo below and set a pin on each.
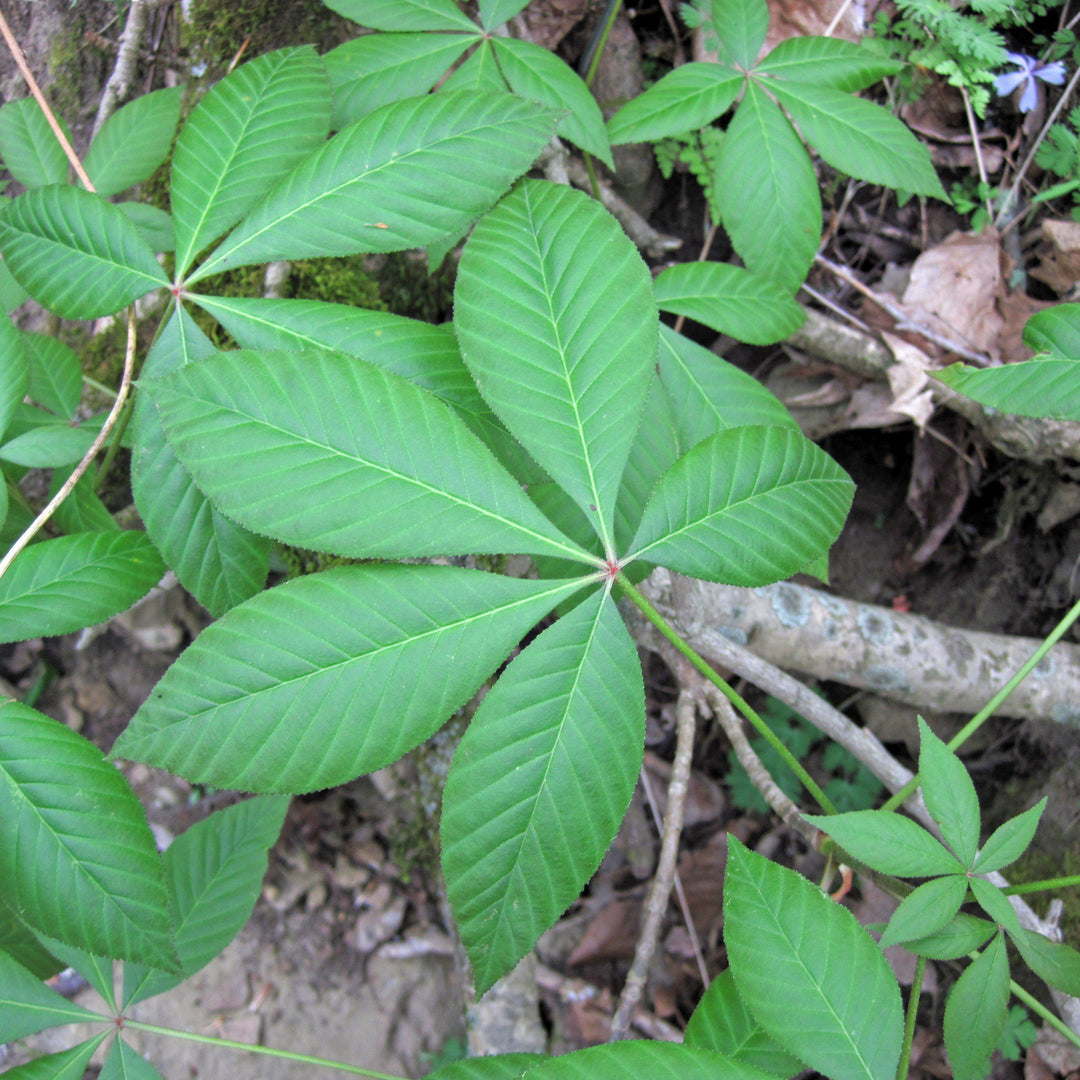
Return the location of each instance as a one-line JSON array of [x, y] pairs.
[[903, 320], [20, 61], [127, 54], [835, 308], [970, 113], [836, 19], [121, 396], [660, 892]]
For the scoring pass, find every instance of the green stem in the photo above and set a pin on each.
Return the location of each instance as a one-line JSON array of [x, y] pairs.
[[269, 1051], [705, 669], [1040, 886], [989, 708], [909, 1019], [114, 445], [1037, 1007], [596, 46], [100, 387]]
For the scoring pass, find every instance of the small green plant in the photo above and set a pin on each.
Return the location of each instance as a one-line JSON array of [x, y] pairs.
[[1018, 1033], [970, 196], [699, 152]]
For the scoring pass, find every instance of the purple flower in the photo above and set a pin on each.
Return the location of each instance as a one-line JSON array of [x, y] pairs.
[[1030, 70]]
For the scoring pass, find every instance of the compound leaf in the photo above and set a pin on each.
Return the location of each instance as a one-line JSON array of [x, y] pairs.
[[539, 75], [1055, 330], [123, 1063], [566, 356], [722, 1022], [86, 870], [889, 843], [31, 151], [809, 973], [216, 560], [1009, 840], [859, 138], [370, 187], [830, 62], [926, 909], [768, 192], [741, 25], [28, 1005], [493, 13], [62, 585], [729, 299], [963, 935], [325, 451], [540, 783], [1054, 963], [312, 683], [214, 872], [747, 506], [404, 14], [975, 1012], [134, 141], [55, 374], [636, 1058], [242, 137], [76, 253], [685, 99], [487, 1067], [65, 1065], [14, 371], [478, 72]]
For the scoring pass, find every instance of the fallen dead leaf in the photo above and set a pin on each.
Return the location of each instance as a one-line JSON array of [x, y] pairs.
[[1059, 255], [612, 933]]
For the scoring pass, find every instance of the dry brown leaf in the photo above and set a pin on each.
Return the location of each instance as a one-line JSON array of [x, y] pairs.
[[1059, 255], [702, 875], [954, 289], [704, 799], [1050, 1055], [912, 395], [611, 934], [937, 491]]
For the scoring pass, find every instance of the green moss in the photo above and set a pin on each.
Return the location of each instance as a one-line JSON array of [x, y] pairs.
[[337, 281], [408, 289]]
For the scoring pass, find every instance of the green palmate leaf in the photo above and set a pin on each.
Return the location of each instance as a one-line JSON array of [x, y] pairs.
[[30, 149], [49, 446], [723, 1023], [768, 192], [494, 13], [634, 1059], [216, 560], [12, 294], [18, 942], [82, 510], [654, 451], [963, 935], [28, 1005], [538, 75], [214, 872], [747, 506], [685, 99], [566, 356], [243, 136], [370, 188], [14, 371], [62, 585], [377, 69], [949, 794], [540, 783], [1056, 330], [85, 870], [708, 394], [302, 687], [478, 72], [75, 253], [995, 903], [65, 1065], [123, 1063], [889, 843], [975, 1012], [154, 225], [809, 973], [1053, 962], [730, 300], [859, 137], [134, 141], [404, 14], [829, 62], [564, 513], [742, 25], [55, 374], [97, 970], [926, 910], [489, 1067], [1009, 841], [328, 452], [1046, 386]]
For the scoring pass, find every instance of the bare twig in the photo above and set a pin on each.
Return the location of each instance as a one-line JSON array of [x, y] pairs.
[[970, 114], [127, 55], [831, 28], [125, 385], [20, 61], [660, 891]]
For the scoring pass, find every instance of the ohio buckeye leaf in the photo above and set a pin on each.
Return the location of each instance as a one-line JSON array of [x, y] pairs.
[[86, 870], [975, 1012], [29, 146], [404, 14], [65, 1065], [28, 1005], [830, 62], [370, 187], [306, 686], [1046, 386], [540, 782], [635, 1058]]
